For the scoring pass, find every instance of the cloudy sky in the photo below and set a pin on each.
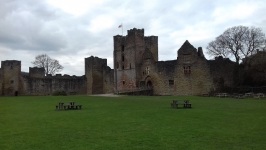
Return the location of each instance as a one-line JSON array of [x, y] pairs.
[[71, 30]]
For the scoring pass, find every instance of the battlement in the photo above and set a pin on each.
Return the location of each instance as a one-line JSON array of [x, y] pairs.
[[151, 40], [36, 72], [95, 61], [119, 39], [10, 63], [220, 58], [65, 76], [135, 31]]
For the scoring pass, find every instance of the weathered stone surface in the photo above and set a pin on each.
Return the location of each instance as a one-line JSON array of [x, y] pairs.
[[136, 68], [189, 74]]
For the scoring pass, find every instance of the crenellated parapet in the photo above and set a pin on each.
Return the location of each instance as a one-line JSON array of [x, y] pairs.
[[95, 63], [36, 72], [134, 31]]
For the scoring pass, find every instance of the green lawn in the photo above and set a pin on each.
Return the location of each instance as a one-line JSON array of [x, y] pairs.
[[132, 122]]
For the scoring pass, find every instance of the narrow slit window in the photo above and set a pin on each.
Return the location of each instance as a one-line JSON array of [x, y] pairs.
[[123, 57], [123, 48]]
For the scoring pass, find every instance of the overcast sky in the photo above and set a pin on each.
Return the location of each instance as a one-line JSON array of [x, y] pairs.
[[71, 30]]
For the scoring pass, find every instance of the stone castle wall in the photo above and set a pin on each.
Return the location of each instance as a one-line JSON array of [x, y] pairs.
[[51, 84], [136, 68], [189, 74], [1, 81], [99, 76], [128, 57], [14, 82], [11, 70], [222, 72]]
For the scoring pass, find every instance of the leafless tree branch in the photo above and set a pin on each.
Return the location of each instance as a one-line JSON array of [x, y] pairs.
[[50, 65], [238, 41]]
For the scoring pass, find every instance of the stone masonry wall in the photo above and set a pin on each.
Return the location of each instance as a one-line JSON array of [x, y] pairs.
[[166, 74], [1, 82], [11, 70], [222, 72], [51, 84], [98, 75]]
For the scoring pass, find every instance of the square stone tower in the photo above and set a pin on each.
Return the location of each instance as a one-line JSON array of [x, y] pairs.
[[11, 71], [128, 58]]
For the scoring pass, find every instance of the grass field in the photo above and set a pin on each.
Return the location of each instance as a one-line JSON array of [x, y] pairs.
[[132, 122]]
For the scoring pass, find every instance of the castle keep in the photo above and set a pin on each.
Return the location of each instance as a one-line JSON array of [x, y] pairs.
[[136, 68]]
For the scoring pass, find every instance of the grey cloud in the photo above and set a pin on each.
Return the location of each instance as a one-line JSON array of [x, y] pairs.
[[36, 27], [24, 27]]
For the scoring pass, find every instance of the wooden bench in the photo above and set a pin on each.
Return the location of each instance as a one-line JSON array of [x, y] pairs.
[[222, 95], [187, 104], [259, 95], [239, 96], [68, 106], [250, 94], [177, 104]]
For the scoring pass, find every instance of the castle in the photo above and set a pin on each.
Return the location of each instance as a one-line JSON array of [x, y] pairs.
[[136, 68]]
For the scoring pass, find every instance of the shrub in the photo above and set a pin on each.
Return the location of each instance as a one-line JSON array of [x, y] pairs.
[[59, 93]]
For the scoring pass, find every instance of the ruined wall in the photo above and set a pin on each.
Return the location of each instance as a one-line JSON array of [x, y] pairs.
[[222, 72], [170, 78], [193, 72], [188, 75], [14, 82], [108, 85], [99, 76], [165, 71], [197, 82], [128, 58], [1, 82], [99, 79], [36, 72], [151, 43], [125, 63], [136, 67], [51, 84]]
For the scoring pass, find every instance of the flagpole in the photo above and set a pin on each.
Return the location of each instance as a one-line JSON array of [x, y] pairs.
[[122, 28]]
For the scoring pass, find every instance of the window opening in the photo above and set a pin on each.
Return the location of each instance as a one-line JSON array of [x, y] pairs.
[[123, 57], [187, 70], [147, 70], [171, 82], [123, 48]]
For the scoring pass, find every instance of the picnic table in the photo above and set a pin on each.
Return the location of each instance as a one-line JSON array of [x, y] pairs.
[[179, 104], [259, 95], [222, 95], [68, 106], [239, 96]]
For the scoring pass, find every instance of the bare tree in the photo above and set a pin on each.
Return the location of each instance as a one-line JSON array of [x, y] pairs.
[[50, 65], [239, 42]]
